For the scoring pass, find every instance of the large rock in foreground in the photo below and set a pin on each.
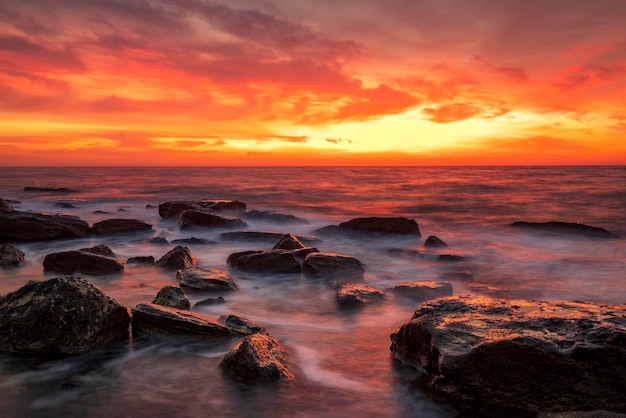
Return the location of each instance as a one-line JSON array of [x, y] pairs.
[[259, 357], [62, 316], [569, 228], [84, 261], [523, 355], [26, 226]]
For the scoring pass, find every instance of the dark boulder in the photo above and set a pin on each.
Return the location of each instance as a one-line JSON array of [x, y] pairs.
[[62, 316], [11, 256], [421, 291], [434, 242], [143, 259], [151, 319], [158, 241], [175, 208], [209, 302], [568, 228], [178, 258], [264, 237], [450, 258], [172, 297], [117, 226], [289, 242], [258, 358], [241, 324], [27, 226], [5, 206], [357, 294], [68, 262], [192, 218], [270, 216], [205, 280], [267, 262], [331, 265], [192, 241], [100, 250], [399, 225], [521, 355]]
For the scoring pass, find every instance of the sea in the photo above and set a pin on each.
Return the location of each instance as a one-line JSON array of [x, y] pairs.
[[340, 357]]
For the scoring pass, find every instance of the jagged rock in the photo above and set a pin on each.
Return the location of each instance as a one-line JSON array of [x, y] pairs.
[[27, 226], [178, 258], [434, 242], [205, 279], [289, 242], [522, 355], [11, 256], [421, 291], [191, 218], [209, 301], [65, 315], [193, 241], [144, 259], [331, 265], [268, 262], [241, 324], [175, 208], [357, 294], [86, 262], [162, 321], [116, 226], [270, 216], [380, 225], [173, 297], [264, 237], [569, 228], [259, 357], [100, 249]]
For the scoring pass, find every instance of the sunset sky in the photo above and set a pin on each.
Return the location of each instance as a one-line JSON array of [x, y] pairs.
[[315, 82]]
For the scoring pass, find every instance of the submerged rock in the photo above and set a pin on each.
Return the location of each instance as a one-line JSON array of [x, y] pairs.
[[434, 242], [241, 324], [522, 355], [175, 208], [357, 294], [62, 316], [330, 265], [267, 262], [259, 357], [50, 189], [173, 297], [264, 237], [270, 216], [27, 226], [143, 259], [11, 256], [209, 301], [190, 218], [205, 280], [178, 258], [193, 241], [158, 241], [566, 228], [421, 291], [381, 225], [118, 226], [162, 321], [86, 262]]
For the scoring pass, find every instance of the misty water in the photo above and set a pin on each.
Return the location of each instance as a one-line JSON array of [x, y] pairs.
[[340, 357]]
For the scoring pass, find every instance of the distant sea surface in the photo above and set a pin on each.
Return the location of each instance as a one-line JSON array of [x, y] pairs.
[[342, 359]]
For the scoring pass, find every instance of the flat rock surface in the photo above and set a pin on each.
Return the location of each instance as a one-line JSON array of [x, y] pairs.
[[331, 265], [524, 355], [205, 279], [28, 226], [86, 262], [358, 294], [569, 228], [190, 218], [420, 291], [267, 262]]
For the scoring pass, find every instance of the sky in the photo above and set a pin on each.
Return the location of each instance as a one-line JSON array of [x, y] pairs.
[[312, 82]]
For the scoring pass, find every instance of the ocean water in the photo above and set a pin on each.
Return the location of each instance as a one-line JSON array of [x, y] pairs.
[[341, 358]]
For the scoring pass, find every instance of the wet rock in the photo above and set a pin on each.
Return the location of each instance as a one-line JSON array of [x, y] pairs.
[[173, 297], [421, 291], [264, 237], [162, 321], [11, 256], [209, 301], [68, 262], [116, 226], [289, 242], [193, 241], [205, 280], [149, 206], [330, 265], [62, 190], [258, 358], [64, 205], [101, 212], [357, 294], [175, 208], [301, 253], [178, 258], [568, 228], [434, 242], [267, 262], [523, 355], [450, 258], [27, 226], [5, 206], [65, 315], [241, 324], [190, 218], [144, 259], [270, 216], [100, 250], [158, 241], [381, 225]]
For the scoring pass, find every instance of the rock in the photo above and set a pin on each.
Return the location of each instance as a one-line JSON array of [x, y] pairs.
[[566, 228], [68, 262], [356, 294], [400, 225], [175, 208], [162, 321], [116, 226], [301, 253], [270, 216], [64, 205], [289, 242], [100, 250], [523, 355], [264, 237], [149, 206], [450, 258], [331, 265], [158, 241], [241, 324], [173, 297], [193, 241], [434, 242], [259, 357], [11, 256], [50, 190], [65, 315], [267, 262], [421, 291], [178, 258], [209, 301], [407, 252], [190, 218], [205, 280], [27, 226], [101, 212], [148, 259], [5, 206]]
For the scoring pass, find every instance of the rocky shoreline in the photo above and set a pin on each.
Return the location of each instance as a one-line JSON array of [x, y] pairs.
[[480, 354]]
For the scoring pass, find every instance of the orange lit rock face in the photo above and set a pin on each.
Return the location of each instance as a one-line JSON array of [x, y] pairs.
[[525, 355]]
